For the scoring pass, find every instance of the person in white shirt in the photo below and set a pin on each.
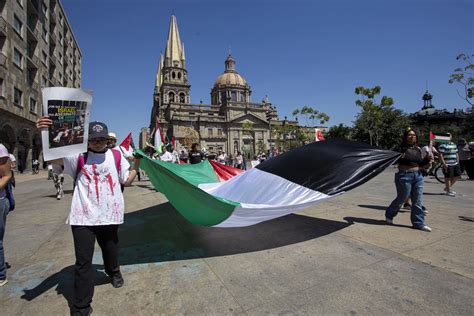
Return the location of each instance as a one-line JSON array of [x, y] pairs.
[[175, 154], [222, 157], [97, 209], [166, 155]]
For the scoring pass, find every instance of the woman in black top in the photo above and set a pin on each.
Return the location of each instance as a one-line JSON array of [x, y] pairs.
[[195, 155], [409, 182]]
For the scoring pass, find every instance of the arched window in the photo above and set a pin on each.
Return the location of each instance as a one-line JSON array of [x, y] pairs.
[[234, 96], [171, 97], [173, 75], [182, 98], [179, 75]]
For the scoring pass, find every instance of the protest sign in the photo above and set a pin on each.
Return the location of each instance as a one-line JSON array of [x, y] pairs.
[[69, 109]]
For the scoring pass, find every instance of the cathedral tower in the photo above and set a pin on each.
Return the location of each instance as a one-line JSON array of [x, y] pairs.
[[171, 85]]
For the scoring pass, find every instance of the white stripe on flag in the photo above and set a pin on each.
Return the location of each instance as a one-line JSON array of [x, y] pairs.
[[262, 196]]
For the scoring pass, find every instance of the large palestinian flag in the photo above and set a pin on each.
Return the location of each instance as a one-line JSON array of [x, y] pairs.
[[279, 186]]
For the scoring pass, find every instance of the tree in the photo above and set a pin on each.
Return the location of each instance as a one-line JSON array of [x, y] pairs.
[[311, 115], [379, 124], [465, 77], [340, 131]]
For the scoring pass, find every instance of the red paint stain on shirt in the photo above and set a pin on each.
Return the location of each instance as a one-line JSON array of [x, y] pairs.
[[96, 179], [111, 184]]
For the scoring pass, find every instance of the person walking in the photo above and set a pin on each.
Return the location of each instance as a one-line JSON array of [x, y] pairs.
[[464, 154], [450, 160], [5, 177], [97, 210], [409, 182]]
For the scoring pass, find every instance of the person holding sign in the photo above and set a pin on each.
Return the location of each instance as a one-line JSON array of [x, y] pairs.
[[97, 209]]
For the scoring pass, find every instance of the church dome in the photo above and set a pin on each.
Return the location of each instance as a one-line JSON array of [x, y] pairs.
[[230, 78], [230, 75]]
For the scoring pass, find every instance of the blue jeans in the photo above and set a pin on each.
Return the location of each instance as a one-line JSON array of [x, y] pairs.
[[408, 184], [4, 208]]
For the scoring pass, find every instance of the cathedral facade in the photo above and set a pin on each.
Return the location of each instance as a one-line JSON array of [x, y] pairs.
[[231, 123]]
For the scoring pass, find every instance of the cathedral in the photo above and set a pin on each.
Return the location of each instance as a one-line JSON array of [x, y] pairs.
[[231, 123]]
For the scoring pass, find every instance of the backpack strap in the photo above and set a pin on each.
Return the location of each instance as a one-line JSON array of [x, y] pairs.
[[117, 158], [81, 161]]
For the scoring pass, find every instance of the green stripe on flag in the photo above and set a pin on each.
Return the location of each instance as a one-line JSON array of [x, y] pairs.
[[179, 184]]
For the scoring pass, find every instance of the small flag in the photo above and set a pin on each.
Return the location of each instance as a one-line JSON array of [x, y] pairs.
[[318, 136], [127, 142], [440, 138], [432, 136]]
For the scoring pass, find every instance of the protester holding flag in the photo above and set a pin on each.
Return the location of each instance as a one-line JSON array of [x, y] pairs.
[[409, 182], [195, 155], [97, 209]]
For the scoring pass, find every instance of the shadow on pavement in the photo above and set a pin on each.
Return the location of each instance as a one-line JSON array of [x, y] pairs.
[[429, 193], [466, 218], [65, 193], [63, 280], [160, 233], [370, 221], [379, 207]]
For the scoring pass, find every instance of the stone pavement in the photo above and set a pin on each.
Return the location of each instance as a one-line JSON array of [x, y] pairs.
[[335, 258]]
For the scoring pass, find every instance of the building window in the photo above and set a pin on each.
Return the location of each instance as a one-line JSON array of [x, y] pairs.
[[171, 96], [30, 76], [20, 3], [234, 96], [209, 132], [2, 88], [61, 19], [60, 58], [17, 58], [182, 98], [219, 132], [173, 75], [32, 105], [45, 34], [44, 8], [17, 96], [44, 82], [17, 25], [45, 58]]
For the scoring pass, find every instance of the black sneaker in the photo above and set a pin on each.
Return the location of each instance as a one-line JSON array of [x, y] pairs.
[[117, 280]]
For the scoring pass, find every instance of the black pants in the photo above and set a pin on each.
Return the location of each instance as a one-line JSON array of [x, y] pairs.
[[84, 241]]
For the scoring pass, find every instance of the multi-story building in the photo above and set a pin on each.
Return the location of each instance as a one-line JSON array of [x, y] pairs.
[[37, 49], [232, 122]]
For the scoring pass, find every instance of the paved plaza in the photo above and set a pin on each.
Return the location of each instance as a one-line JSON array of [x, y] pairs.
[[335, 258]]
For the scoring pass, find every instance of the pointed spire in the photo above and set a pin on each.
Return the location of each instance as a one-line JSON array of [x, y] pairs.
[[174, 50], [183, 58], [159, 75]]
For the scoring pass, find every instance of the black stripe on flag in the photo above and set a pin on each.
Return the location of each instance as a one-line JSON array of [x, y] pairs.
[[331, 166]]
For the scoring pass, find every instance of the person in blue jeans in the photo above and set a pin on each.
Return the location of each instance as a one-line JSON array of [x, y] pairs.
[[5, 176], [409, 182]]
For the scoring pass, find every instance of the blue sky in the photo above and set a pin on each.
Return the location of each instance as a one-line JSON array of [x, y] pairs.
[[296, 52]]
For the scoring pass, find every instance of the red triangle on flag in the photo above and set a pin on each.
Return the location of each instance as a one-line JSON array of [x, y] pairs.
[[126, 142], [432, 136]]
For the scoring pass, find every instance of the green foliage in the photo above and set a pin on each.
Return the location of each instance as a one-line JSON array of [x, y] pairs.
[[378, 124], [311, 115], [464, 76], [340, 131], [288, 136]]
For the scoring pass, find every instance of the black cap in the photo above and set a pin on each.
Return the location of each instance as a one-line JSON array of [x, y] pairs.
[[98, 130]]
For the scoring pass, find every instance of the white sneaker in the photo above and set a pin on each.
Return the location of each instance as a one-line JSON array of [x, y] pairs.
[[425, 228], [3, 282], [451, 193], [388, 221]]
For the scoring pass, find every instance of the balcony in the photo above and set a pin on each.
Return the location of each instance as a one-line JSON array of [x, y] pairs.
[[31, 34], [53, 39], [32, 61], [3, 26]]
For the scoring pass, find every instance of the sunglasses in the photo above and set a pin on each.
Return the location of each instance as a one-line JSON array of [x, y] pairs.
[[98, 140]]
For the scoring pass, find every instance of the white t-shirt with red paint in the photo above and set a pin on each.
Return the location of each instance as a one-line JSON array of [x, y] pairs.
[[97, 198]]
